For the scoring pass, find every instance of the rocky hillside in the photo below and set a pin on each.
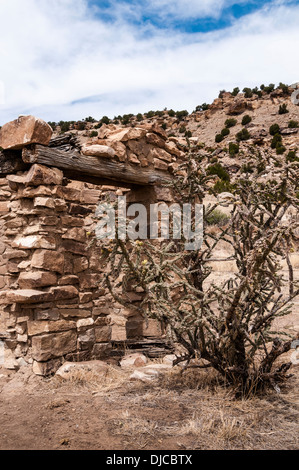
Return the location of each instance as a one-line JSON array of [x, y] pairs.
[[264, 118]]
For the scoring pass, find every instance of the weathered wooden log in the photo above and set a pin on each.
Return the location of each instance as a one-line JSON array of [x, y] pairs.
[[65, 142], [153, 348], [11, 162], [93, 169]]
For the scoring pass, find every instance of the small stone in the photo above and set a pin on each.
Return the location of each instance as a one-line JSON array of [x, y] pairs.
[[133, 360], [98, 151]]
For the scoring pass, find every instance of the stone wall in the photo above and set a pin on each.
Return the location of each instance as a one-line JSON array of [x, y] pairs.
[[53, 305]]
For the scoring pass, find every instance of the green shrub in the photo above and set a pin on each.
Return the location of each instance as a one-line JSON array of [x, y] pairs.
[[218, 170], [188, 134], [284, 88], [150, 114], [90, 119], [280, 149], [246, 120], [293, 124], [182, 129], [283, 109], [93, 134], [236, 91], [202, 107], [277, 140], [291, 157], [217, 218], [222, 187], [139, 117], [243, 135], [181, 114], [233, 149], [247, 168], [105, 120], [225, 132], [171, 113], [219, 138], [51, 124], [274, 129], [248, 92], [230, 123], [268, 89], [126, 119], [65, 126]]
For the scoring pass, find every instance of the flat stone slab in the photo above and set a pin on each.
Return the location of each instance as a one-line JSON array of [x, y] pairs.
[[24, 131]]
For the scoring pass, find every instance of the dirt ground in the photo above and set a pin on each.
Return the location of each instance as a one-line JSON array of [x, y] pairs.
[[109, 412]]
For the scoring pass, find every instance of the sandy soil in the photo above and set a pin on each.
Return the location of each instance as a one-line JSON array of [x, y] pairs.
[[111, 413]]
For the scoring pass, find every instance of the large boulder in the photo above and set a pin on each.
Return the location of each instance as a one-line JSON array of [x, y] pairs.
[[24, 131]]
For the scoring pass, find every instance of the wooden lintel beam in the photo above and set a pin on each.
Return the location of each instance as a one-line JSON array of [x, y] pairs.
[[97, 170]]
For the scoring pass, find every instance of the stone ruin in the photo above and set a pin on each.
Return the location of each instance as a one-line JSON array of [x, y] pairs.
[[52, 306]]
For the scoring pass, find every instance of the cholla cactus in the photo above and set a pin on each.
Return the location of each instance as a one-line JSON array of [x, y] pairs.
[[226, 325]]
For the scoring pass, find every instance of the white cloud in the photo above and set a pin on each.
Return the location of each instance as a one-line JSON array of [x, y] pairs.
[[56, 52]]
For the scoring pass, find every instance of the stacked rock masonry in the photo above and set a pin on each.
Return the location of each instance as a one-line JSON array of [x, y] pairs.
[[53, 307]]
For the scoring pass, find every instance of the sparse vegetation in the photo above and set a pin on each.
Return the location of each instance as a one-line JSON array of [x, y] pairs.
[[246, 120], [243, 135], [274, 129], [230, 123], [283, 109], [233, 149], [293, 124]]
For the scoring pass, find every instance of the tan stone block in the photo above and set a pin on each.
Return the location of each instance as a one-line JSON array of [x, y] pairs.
[[91, 196], [44, 202], [48, 260], [69, 221], [69, 280], [4, 209], [24, 131], [74, 247], [103, 334], [90, 281], [101, 351], [46, 368], [70, 194], [155, 140], [76, 233], [33, 280], [34, 242], [31, 296], [41, 175], [49, 346], [25, 296], [160, 165], [161, 154], [36, 328], [74, 313]]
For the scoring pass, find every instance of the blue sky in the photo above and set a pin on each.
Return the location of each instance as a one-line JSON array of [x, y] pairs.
[[68, 59]]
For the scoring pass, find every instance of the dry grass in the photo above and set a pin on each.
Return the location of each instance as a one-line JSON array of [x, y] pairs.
[[191, 411], [99, 383], [198, 413]]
